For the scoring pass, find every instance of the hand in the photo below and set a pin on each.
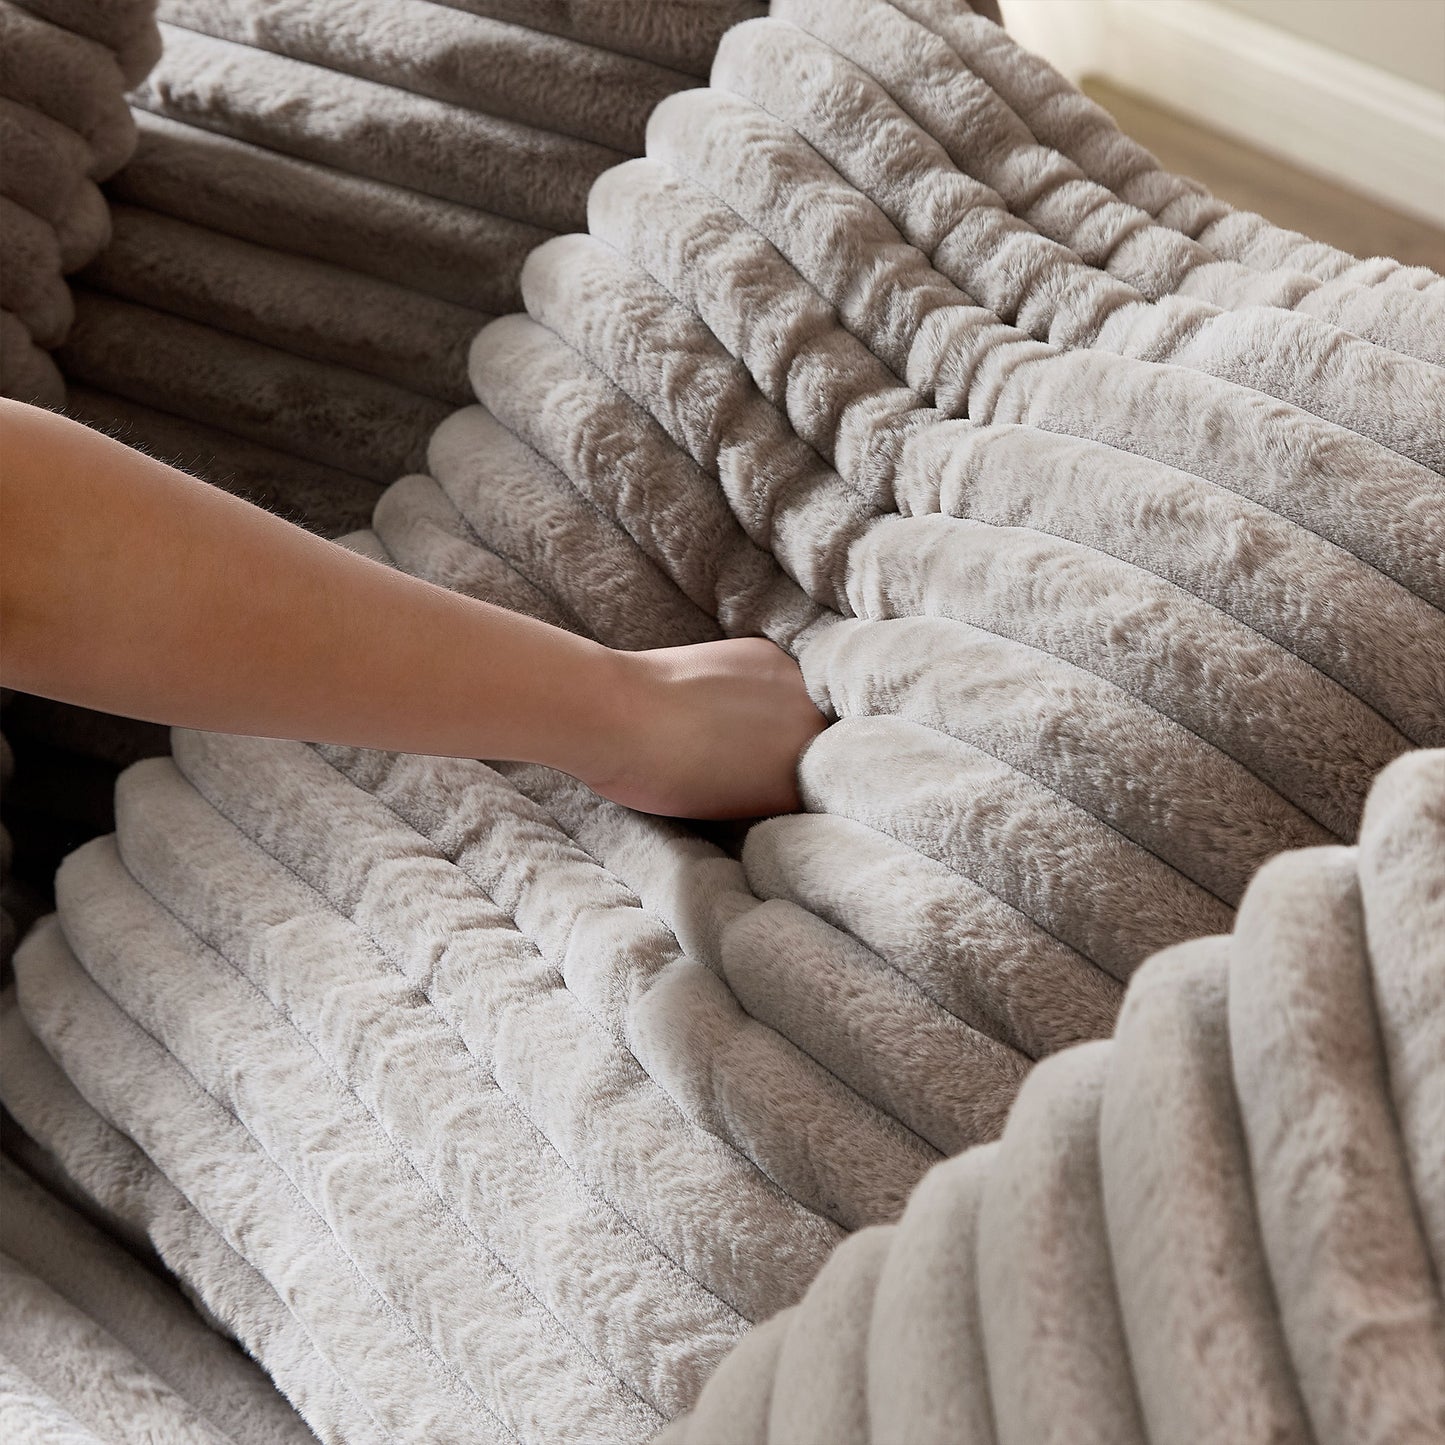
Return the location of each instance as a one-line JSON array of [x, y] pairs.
[[713, 730]]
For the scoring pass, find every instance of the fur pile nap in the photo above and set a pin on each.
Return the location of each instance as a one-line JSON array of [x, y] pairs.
[[1225, 1225], [64, 127], [1117, 559], [327, 202], [93, 1346]]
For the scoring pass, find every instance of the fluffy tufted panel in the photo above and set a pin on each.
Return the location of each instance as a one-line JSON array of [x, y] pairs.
[[93, 1346], [1223, 1225], [64, 127], [1117, 561]]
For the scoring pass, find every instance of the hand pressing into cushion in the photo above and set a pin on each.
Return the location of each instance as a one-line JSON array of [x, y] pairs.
[[131, 586], [714, 730]]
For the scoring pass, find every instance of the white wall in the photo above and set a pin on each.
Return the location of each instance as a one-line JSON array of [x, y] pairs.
[[1404, 37], [1327, 102]]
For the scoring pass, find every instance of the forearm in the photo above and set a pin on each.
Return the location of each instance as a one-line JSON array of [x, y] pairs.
[[241, 622]]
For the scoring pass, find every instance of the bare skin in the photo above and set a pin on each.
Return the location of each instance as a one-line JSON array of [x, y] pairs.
[[133, 587]]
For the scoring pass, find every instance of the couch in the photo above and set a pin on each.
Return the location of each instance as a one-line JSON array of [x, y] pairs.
[[1069, 1069]]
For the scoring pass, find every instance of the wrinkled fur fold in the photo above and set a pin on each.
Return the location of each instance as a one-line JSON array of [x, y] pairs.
[[1089, 143], [1107, 530], [934, 61], [109, 1346], [680, 34], [510, 71], [1208, 1229], [324, 413], [352, 189], [307, 308], [91, 1165], [374, 129], [431, 246], [64, 126]]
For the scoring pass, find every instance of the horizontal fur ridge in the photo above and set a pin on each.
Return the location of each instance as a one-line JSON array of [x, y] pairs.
[[1106, 527]]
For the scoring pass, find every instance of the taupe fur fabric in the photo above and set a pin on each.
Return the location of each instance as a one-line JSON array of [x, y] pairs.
[[546, 82], [310, 309], [94, 1347], [64, 126], [334, 200], [529, 1106], [121, 26], [1090, 146], [289, 206], [1221, 1226], [1058, 161], [349, 421], [381, 130], [84, 1160], [681, 34]]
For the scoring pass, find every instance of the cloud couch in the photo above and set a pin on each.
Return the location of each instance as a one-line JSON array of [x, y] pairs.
[[1224, 1224], [1108, 526]]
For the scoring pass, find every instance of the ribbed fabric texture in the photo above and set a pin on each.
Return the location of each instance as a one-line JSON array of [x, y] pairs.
[[1106, 525], [325, 205], [64, 127], [1222, 1226]]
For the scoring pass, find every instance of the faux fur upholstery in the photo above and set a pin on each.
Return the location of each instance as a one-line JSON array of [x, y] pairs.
[[1221, 1226], [1089, 147], [680, 34], [95, 1347], [326, 204], [1156, 1224], [1117, 563], [64, 126]]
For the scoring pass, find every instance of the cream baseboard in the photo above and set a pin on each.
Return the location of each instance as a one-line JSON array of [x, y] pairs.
[[1323, 111]]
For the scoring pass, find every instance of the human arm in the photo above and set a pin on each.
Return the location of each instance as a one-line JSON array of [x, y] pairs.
[[131, 586]]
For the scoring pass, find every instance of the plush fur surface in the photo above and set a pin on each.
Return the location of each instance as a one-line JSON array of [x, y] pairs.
[[1090, 147], [1118, 569], [310, 309], [350, 192], [1215, 1227], [93, 1346], [680, 34], [120, 25], [286, 206], [380, 130], [335, 416], [64, 125], [511, 71]]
